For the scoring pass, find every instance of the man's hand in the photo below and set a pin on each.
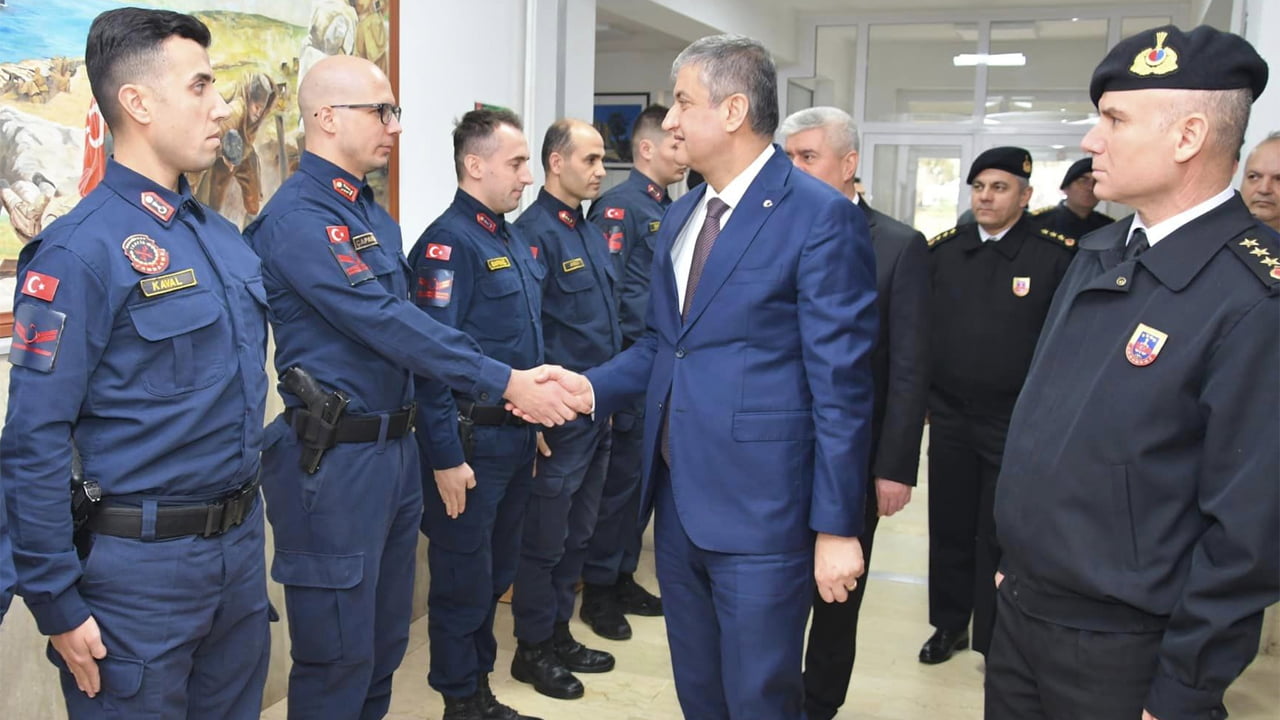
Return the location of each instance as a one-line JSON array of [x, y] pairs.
[[891, 496], [453, 485], [837, 565], [80, 650], [543, 448], [1148, 716], [548, 395]]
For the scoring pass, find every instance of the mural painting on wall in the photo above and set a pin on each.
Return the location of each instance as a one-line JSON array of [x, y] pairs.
[[53, 144]]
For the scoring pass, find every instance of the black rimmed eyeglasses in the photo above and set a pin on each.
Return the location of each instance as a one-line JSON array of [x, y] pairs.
[[386, 111]]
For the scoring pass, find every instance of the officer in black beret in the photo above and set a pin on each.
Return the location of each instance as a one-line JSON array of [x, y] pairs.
[[1138, 505], [992, 282], [1074, 216]]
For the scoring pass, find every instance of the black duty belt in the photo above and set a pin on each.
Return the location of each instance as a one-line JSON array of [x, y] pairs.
[[361, 428], [486, 414], [174, 521]]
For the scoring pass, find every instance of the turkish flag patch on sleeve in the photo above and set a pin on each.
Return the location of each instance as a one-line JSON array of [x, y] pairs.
[[615, 213], [39, 285], [436, 251], [355, 269]]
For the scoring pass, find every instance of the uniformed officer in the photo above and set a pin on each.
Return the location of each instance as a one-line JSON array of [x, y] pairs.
[[992, 282], [580, 322], [338, 285], [1074, 216], [630, 214], [823, 141], [140, 337], [1261, 184], [1138, 504], [476, 272]]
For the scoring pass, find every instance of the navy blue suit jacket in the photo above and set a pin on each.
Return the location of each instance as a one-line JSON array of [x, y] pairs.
[[767, 382]]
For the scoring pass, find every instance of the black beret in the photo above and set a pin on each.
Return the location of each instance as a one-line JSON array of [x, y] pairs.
[[1166, 57], [1078, 168], [1010, 159]]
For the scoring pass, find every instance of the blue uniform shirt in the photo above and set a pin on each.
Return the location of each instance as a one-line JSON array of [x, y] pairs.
[[338, 287], [140, 332], [476, 272], [630, 214], [579, 315]]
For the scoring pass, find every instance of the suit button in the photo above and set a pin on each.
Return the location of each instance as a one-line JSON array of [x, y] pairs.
[[679, 353], [484, 396]]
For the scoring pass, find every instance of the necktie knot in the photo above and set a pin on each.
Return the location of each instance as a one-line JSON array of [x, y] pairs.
[[716, 207], [1137, 244]]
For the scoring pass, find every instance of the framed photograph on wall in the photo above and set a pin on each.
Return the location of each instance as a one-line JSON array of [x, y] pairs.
[[614, 115], [54, 144]]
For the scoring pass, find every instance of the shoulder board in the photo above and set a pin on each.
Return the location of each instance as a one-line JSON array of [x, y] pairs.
[[1057, 237], [1260, 252], [942, 237], [1044, 209]]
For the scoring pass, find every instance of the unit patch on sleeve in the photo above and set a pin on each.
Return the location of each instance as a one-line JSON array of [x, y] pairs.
[[37, 332], [437, 288], [348, 259], [163, 284]]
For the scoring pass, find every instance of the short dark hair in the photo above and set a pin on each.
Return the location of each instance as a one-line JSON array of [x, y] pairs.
[[648, 123], [124, 45], [559, 139], [472, 135]]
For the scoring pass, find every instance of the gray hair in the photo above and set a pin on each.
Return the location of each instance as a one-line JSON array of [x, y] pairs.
[[1227, 110], [731, 64], [841, 130]]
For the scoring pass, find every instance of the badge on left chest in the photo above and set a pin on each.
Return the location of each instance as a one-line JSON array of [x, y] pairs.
[[1144, 345], [1022, 286]]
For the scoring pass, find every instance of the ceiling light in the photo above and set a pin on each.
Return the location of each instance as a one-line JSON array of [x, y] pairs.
[[993, 60]]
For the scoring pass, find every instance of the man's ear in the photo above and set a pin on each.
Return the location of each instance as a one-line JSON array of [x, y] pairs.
[[136, 102]]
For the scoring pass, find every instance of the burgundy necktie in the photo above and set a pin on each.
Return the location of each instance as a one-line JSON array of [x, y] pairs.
[[701, 250]]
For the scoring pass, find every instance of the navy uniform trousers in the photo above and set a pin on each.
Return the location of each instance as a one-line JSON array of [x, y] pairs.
[[473, 557], [363, 579], [559, 522]]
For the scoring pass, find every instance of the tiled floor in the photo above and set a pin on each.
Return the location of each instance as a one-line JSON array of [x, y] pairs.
[[888, 682]]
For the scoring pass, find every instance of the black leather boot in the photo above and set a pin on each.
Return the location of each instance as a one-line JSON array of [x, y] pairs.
[[540, 666], [601, 613], [634, 599], [576, 656], [491, 709]]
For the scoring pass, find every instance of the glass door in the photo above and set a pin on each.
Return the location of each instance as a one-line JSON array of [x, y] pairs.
[[918, 179]]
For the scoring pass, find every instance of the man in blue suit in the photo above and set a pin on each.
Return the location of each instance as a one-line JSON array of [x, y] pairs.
[[757, 368]]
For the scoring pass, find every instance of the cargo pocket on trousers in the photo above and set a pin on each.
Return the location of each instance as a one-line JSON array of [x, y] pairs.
[[320, 602], [121, 676]]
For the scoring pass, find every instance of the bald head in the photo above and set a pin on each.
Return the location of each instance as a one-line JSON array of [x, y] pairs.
[[339, 102]]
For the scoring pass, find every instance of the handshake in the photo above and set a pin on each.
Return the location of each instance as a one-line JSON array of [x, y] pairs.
[[548, 395]]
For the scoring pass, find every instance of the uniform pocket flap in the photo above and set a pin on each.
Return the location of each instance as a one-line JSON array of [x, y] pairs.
[[500, 283], [575, 281], [333, 572], [175, 315], [772, 426], [257, 290]]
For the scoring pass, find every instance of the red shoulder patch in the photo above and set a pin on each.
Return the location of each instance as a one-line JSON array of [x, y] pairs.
[[345, 189]]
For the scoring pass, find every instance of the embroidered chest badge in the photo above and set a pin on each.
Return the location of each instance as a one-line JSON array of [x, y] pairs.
[[1022, 286], [145, 255], [1144, 346]]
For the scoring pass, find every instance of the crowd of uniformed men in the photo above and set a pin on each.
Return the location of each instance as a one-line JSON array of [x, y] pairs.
[[140, 341]]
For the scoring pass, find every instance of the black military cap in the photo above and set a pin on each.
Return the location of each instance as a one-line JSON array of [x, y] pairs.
[[1010, 159], [1166, 57], [1078, 168]]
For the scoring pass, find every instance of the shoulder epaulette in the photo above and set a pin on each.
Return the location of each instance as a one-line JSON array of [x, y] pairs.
[[1057, 237], [942, 237], [1260, 252], [1044, 209]]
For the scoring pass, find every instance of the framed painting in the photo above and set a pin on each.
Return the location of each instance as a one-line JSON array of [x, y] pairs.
[[53, 144], [613, 116]]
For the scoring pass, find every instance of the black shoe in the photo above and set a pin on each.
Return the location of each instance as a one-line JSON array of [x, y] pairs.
[[540, 666], [576, 656], [635, 600], [601, 613], [463, 708], [491, 709], [941, 645]]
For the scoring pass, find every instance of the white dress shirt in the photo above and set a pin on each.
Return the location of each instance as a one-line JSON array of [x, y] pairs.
[[682, 249], [1165, 228]]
